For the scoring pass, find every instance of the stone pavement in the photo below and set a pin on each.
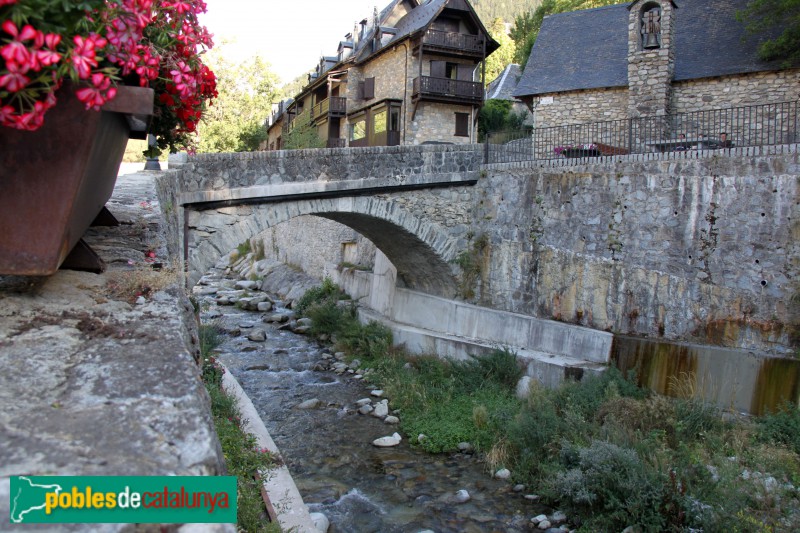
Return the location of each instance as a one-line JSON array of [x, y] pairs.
[[98, 372]]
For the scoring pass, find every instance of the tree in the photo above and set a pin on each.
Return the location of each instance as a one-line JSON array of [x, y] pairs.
[[504, 55], [236, 121], [496, 115], [764, 15], [304, 136], [527, 25]]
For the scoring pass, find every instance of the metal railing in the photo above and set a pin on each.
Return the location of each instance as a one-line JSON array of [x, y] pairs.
[[737, 127], [453, 40], [446, 87]]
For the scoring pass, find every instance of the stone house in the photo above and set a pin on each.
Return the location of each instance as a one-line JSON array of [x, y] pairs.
[[409, 74], [652, 58], [504, 86]]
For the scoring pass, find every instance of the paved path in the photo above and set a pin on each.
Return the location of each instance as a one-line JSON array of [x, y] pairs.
[[93, 383]]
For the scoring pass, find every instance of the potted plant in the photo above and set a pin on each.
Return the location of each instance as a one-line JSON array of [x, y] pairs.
[[77, 78]]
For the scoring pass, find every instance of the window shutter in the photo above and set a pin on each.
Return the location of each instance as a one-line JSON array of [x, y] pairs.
[[464, 72], [369, 88], [462, 125], [438, 69]]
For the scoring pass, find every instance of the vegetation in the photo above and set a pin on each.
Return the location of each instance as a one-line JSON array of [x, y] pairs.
[[763, 15], [472, 262], [242, 456], [503, 56], [303, 136], [236, 121], [504, 9], [496, 115], [527, 24], [607, 452]]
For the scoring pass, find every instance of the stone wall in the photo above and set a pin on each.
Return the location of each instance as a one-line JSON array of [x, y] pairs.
[[437, 121], [223, 171], [699, 250], [735, 91], [578, 107]]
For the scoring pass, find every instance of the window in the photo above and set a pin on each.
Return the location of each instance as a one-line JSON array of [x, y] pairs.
[[358, 129], [462, 124], [394, 119], [366, 89], [379, 122]]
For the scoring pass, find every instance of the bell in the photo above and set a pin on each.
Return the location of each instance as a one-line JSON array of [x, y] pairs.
[[651, 41]]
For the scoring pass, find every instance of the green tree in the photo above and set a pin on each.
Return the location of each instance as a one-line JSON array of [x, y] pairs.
[[304, 136], [527, 25], [504, 55], [496, 115], [235, 123], [762, 15]]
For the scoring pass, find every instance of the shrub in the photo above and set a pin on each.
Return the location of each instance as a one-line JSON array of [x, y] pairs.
[[499, 367], [782, 427], [327, 291], [611, 486]]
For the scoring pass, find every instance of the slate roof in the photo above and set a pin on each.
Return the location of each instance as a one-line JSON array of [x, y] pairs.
[[589, 49], [504, 85]]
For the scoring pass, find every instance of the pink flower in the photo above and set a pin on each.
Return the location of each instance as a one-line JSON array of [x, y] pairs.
[[84, 56], [16, 51], [99, 94], [15, 80]]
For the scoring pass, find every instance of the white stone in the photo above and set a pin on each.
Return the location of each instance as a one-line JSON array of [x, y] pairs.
[[245, 284], [558, 517], [524, 387], [377, 393], [544, 524], [387, 442], [320, 521], [381, 409], [539, 519], [257, 336], [391, 420], [363, 401], [503, 473], [313, 403], [462, 496]]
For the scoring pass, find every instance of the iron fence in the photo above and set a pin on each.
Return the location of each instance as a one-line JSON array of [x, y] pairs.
[[737, 127]]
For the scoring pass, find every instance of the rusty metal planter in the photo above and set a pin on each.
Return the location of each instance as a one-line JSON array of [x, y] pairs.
[[56, 180]]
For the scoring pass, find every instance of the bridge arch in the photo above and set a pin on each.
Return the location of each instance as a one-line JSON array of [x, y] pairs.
[[420, 250]]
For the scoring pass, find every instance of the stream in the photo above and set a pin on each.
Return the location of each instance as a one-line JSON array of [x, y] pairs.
[[328, 449]]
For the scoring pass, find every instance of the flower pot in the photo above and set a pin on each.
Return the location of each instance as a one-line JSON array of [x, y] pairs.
[[54, 181]]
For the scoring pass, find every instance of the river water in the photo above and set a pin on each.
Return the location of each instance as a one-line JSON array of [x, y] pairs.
[[329, 451]]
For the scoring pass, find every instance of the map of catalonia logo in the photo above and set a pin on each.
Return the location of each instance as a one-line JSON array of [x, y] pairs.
[[122, 499]]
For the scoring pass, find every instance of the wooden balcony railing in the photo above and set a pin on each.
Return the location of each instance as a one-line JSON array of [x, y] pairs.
[[453, 41], [448, 89], [336, 106], [300, 120], [336, 142]]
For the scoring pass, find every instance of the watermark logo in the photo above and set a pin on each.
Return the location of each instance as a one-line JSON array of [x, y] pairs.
[[122, 499]]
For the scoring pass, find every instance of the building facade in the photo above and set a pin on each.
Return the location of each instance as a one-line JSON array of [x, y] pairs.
[[652, 58], [412, 73]]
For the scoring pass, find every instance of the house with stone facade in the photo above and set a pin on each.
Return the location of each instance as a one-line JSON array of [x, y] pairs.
[[409, 74], [654, 58]]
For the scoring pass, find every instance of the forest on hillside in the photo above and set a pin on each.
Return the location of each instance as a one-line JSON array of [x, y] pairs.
[[508, 10]]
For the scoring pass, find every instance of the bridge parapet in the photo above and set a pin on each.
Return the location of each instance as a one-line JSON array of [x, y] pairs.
[[207, 172]]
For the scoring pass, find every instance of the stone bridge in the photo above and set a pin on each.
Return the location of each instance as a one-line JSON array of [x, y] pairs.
[[397, 197], [689, 261]]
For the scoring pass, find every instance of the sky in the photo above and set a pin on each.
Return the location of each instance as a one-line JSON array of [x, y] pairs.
[[289, 34]]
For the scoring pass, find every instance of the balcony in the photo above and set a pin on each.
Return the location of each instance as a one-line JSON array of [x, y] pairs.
[[447, 90], [335, 106], [336, 142], [453, 42], [300, 120]]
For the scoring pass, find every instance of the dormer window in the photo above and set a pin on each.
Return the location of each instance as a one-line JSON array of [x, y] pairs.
[[651, 26]]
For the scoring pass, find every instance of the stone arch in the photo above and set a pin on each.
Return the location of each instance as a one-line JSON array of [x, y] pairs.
[[420, 250]]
